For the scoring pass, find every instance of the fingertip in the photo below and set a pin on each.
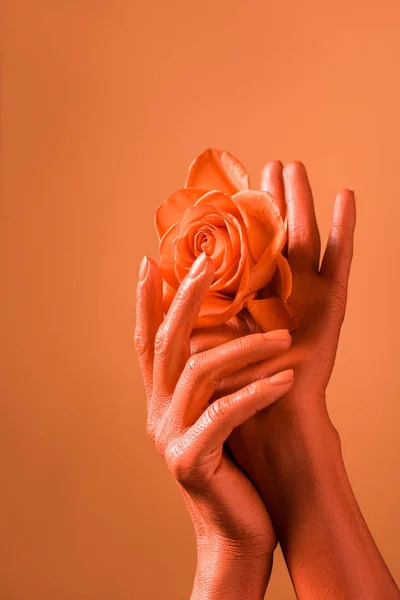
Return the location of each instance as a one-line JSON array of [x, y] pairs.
[[143, 268], [153, 266], [150, 283], [202, 267], [210, 267], [294, 167], [149, 271], [278, 335], [282, 378], [348, 192], [272, 166], [270, 175], [345, 207]]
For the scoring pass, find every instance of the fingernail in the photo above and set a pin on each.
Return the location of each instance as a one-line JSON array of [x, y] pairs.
[[198, 265], [278, 335], [144, 266], [282, 377], [351, 189]]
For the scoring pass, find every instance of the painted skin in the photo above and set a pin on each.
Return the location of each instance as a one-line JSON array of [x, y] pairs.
[[233, 529], [289, 449]]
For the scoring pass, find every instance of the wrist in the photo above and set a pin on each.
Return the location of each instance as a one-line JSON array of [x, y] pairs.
[[303, 442], [293, 445], [301, 419], [230, 569], [315, 514]]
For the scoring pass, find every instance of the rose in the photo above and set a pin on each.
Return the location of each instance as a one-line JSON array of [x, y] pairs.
[[242, 231]]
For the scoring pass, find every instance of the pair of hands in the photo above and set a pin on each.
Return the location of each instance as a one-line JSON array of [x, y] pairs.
[[209, 386]]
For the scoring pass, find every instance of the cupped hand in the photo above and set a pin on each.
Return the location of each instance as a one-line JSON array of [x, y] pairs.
[[188, 430]]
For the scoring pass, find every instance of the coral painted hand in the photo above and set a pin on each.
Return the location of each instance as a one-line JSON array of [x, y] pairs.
[[319, 298], [230, 519], [241, 229]]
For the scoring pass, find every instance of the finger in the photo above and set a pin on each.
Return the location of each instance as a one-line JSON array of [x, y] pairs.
[[203, 372], [272, 182], [172, 343], [338, 255], [304, 245], [188, 454], [149, 316]]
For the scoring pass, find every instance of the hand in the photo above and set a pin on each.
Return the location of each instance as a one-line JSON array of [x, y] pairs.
[[291, 449], [233, 528], [318, 297]]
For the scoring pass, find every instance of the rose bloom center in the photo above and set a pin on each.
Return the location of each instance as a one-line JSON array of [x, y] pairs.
[[204, 241]]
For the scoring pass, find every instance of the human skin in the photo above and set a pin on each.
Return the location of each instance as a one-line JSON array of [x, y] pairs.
[[291, 450], [233, 529]]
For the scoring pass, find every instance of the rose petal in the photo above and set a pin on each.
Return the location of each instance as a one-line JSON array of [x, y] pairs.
[[262, 208], [183, 246], [221, 202], [233, 220], [232, 254], [198, 213], [229, 282], [217, 170], [180, 272], [272, 313], [166, 251], [168, 295], [259, 214], [195, 221], [282, 280], [218, 308], [234, 223], [222, 246], [169, 211], [216, 207], [261, 217], [205, 240], [272, 181]]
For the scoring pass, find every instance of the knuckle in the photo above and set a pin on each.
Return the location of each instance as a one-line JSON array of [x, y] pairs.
[[199, 371], [337, 314], [194, 365], [344, 226], [337, 302], [241, 344], [338, 287], [151, 429], [250, 391], [161, 340], [340, 244], [218, 410], [300, 231], [142, 345], [334, 309], [157, 431], [159, 441], [177, 463]]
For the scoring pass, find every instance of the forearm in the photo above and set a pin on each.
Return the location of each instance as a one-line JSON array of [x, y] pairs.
[[229, 572], [326, 543]]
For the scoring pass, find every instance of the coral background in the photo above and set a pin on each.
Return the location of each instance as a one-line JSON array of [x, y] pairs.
[[105, 103]]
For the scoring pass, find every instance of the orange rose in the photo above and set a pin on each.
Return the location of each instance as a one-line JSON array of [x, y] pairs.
[[240, 229]]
